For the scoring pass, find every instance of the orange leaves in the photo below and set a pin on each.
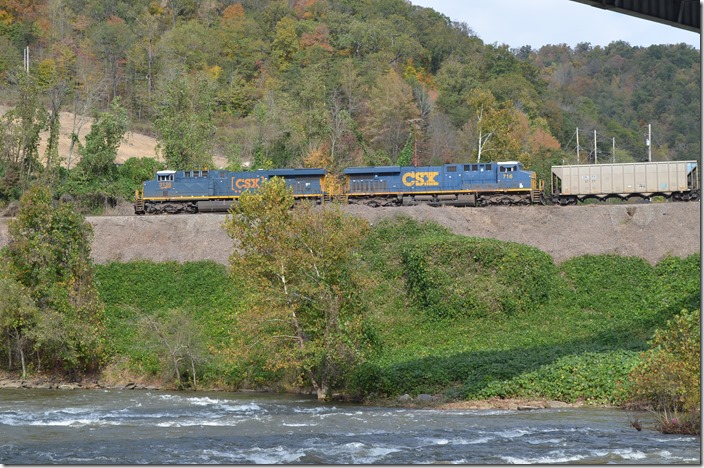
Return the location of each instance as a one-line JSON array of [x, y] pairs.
[[232, 14], [421, 75], [319, 38], [307, 9]]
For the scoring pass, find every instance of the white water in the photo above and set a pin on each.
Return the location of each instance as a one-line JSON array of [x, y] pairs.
[[133, 427]]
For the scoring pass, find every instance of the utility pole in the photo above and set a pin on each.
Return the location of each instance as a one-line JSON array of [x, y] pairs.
[[26, 59], [650, 146], [594, 146], [613, 150], [577, 145]]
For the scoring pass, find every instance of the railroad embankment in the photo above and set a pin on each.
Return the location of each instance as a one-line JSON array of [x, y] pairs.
[[650, 231]]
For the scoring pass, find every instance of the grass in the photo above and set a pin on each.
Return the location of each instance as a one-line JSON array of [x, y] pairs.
[[465, 318], [571, 332]]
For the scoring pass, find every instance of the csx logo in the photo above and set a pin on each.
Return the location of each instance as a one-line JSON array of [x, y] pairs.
[[245, 183], [164, 185], [420, 179]]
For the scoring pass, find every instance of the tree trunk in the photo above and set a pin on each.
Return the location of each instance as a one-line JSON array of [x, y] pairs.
[[323, 392], [193, 369], [24, 365]]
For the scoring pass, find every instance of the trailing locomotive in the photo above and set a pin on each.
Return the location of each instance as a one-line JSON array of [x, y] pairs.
[[207, 191], [474, 184]]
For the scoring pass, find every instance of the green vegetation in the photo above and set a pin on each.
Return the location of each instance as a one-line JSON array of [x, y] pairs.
[[576, 333], [318, 300], [331, 83], [668, 376], [138, 289], [303, 272], [404, 308], [50, 313], [571, 332]]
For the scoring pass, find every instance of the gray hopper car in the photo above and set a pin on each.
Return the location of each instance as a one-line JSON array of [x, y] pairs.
[[676, 180]]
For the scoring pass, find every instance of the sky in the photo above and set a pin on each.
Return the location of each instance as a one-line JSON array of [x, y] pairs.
[[541, 22]]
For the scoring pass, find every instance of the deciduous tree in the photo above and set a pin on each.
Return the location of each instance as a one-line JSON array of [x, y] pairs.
[[178, 341], [49, 254], [308, 315], [184, 121]]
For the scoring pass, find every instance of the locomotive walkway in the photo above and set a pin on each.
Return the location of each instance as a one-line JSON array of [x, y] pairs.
[[650, 231]]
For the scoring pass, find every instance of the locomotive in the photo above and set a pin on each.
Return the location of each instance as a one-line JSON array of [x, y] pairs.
[[208, 191], [473, 184]]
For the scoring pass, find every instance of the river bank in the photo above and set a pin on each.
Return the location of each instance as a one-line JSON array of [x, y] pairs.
[[50, 382]]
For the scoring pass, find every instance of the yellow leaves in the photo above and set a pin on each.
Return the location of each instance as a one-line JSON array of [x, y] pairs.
[[421, 75], [46, 73], [318, 156], [6, 18], [333, 185], [214, 72], [286, 42]]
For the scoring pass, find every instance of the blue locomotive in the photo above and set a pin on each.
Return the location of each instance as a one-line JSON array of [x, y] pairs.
[[475, 184], [452, 184], [215, 190]]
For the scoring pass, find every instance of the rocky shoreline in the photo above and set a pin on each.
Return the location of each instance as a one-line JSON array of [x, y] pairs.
[[49, 382]]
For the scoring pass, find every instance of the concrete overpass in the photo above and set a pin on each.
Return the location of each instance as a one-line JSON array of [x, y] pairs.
[[684, 14]]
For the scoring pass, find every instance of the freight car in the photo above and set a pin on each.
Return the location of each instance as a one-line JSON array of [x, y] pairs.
[[208, 191], [491, 183], [676, 180]]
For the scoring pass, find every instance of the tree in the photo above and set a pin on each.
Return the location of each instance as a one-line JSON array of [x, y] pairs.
[[184, 121], [301, 267], [18, 315], [391, 107], [96, 179], [107, 133], [21, 128], [668, 376], [49, 255], [286, 42], [494, 124], [111, 40], [178, 340]]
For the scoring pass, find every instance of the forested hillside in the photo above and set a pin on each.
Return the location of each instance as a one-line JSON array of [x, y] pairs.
[[323, 83]]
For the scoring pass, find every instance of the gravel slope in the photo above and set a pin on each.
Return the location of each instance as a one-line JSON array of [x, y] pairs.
[[650, 231]]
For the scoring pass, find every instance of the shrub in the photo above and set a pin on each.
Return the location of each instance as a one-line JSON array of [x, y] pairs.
[[453, 276], [591, 377], [668, 377]]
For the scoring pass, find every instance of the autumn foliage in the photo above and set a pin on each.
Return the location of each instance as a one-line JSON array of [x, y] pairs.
[[306, 323], [668, 378]]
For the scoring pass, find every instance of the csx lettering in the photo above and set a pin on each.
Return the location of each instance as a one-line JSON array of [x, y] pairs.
[[420, 179], [245, 183], [164, 185]]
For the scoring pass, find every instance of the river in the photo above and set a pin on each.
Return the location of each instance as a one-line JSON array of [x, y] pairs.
[[139, 426]]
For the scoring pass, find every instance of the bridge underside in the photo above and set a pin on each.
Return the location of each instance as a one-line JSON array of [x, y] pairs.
[[684, 14]]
